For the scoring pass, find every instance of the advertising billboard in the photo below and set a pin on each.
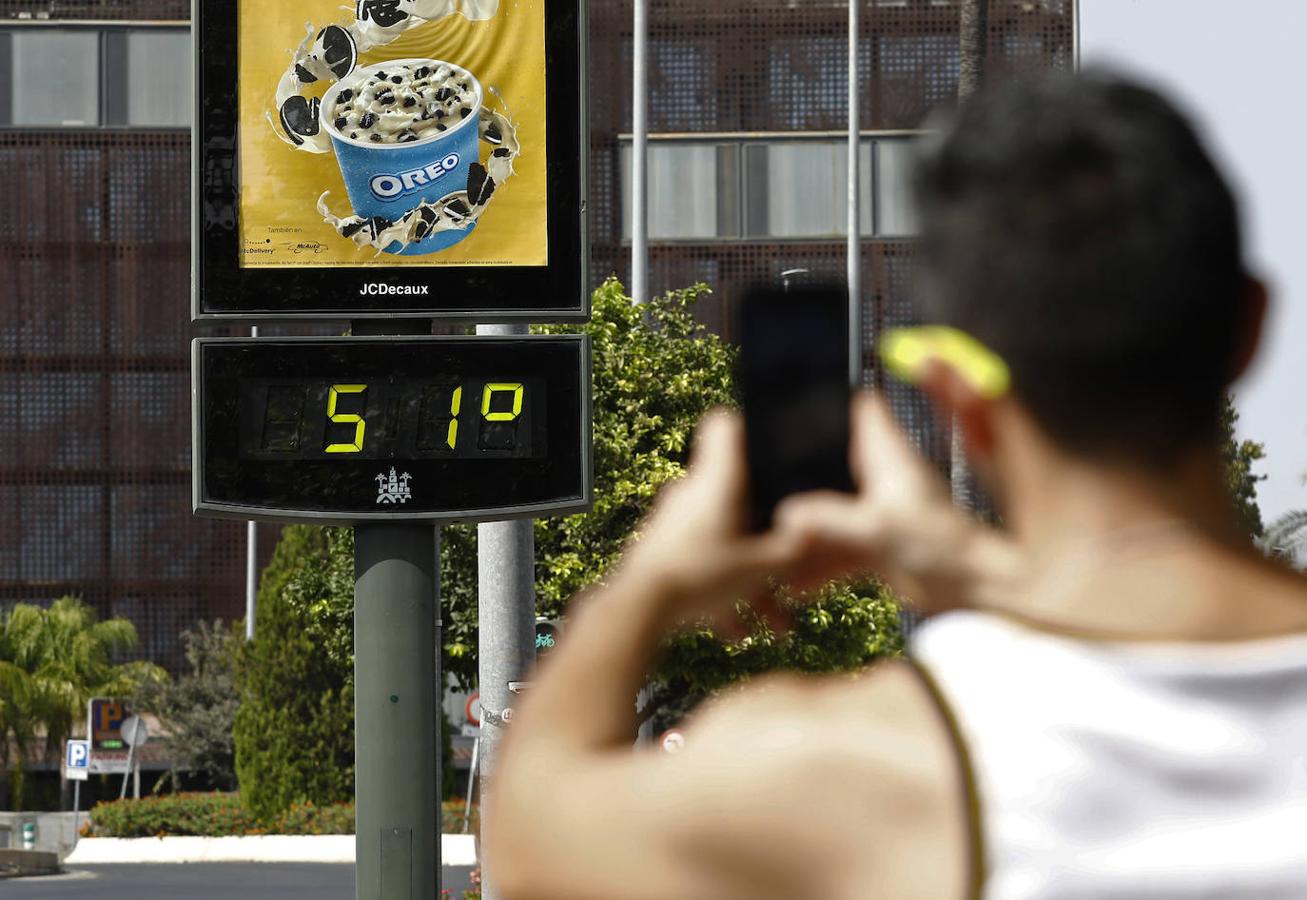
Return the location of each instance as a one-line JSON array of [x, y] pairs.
[[416, 157]]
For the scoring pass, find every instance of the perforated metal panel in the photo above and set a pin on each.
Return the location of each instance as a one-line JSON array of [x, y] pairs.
[[94, 243], [125, 10], [95, 386], [778, 66]]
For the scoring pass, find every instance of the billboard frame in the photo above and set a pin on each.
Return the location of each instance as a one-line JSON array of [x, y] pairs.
[[223, 292]]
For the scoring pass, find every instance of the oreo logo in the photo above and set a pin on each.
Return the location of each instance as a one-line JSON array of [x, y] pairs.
[[390, 187]]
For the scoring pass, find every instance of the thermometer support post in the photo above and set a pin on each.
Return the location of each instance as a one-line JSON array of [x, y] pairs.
[[396, 693]]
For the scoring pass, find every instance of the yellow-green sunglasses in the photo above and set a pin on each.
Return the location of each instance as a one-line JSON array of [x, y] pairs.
[[907, 351]]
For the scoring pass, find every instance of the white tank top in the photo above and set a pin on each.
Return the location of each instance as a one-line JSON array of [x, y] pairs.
[[1127, 770]]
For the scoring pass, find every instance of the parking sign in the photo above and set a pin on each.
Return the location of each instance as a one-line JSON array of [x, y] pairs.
[[77, 760]]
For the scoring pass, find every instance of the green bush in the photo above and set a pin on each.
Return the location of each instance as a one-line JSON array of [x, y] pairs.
[[294, 730], [217, 815], [223, 815]]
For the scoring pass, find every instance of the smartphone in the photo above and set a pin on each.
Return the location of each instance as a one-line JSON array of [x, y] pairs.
[[794, 376]]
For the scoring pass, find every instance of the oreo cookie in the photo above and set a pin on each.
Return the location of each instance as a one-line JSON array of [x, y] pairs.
[[299, 118], [480, 186], [385, 13]]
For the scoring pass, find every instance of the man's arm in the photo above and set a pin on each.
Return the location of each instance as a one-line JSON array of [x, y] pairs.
[[791, 788], [788, 788]]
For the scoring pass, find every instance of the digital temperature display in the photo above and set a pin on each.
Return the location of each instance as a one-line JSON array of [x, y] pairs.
[[348, 430], [411, 418]]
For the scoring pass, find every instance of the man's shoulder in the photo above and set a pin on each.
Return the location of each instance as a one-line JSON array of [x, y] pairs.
[[871, 754], [878, 733]]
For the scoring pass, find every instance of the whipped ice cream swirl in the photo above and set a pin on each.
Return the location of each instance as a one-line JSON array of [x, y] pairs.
[[402, 104]]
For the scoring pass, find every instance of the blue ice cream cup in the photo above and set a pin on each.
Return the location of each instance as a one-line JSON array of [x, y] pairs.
[[389, 180]]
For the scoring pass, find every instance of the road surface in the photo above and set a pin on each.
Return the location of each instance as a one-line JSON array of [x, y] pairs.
[[204, 881]]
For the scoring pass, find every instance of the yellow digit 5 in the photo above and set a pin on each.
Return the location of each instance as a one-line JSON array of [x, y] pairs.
[[517, 391], [346, 418], [455, 406]]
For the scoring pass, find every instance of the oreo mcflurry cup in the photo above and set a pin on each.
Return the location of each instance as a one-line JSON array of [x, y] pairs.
[[391, 179]]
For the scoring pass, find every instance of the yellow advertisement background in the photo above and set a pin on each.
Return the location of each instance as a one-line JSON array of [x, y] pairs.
[[280, 185]]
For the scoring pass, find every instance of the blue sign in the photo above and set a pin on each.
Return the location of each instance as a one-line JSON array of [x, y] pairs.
[[77, 760]]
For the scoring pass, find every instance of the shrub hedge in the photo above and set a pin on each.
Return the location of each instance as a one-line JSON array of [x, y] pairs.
[[223, 815]]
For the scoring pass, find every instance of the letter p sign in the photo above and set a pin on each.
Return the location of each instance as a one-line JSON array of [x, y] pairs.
[[77, 760]]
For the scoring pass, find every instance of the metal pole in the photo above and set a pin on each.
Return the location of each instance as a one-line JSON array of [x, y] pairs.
[[396, 727], [506, 610], [973, 45], [131, 758], [854, 206], [471, 784], [251, 561], [397, 748], [640, 155]]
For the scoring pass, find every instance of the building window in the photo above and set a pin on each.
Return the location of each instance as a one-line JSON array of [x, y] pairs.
[[799, 189], [158, 77], [692, 191], [896, 214], [84, 76], [786, 188], [55, 77]]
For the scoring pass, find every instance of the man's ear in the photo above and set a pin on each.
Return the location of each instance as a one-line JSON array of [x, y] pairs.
[[1256, 302], [956, 400]]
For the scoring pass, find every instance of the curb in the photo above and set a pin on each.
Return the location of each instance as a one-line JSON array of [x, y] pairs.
[[25, 863], [455, 850]]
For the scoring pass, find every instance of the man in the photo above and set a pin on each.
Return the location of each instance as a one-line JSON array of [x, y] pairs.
[[1113, 702]]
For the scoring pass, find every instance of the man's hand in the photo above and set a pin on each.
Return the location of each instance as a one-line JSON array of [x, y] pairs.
[[696, 545], [900, 526]]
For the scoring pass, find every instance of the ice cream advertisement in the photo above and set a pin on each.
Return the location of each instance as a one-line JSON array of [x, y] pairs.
[[390, 133]]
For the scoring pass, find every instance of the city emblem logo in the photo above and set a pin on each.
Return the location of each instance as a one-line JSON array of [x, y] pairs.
[[394, 489]]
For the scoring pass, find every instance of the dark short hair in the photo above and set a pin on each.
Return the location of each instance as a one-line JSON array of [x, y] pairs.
[[1076, 225]]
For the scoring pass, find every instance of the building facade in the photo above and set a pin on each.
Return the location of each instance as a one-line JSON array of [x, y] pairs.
[[747, 170]]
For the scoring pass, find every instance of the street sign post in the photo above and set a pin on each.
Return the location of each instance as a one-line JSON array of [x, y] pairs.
[[135, 734], [77, 768], [77, 760]]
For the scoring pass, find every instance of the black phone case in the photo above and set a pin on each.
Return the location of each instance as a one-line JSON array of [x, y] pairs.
[[794, 378]]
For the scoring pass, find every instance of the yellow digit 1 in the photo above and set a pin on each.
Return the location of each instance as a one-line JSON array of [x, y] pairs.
[[346, 418], [491, 389], [455, 406]]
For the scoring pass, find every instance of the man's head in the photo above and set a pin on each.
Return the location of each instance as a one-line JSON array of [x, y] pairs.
[[1076, 226]]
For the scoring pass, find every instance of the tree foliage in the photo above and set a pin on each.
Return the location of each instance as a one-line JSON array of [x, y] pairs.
[[53, 660], [198, 709], [1240, 457], [1286, 538], [294, 730], [656, 372]]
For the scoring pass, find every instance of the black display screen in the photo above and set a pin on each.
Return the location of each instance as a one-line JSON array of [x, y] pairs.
[[361, 429]]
